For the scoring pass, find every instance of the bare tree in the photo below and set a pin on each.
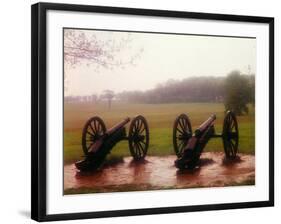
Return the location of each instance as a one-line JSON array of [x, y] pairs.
[[108, 95], [86, 47], [81, 47]]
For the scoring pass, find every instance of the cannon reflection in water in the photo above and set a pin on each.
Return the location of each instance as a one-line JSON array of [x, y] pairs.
[[97, 142], [188, 147]]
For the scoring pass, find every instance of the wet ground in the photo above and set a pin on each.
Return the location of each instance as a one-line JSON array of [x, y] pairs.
[[160, 173]]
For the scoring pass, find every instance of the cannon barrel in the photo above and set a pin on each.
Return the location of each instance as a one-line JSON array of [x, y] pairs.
[[117, 126], [205, 125]]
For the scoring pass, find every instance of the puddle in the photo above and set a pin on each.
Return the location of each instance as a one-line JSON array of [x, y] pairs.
[[160, 173]]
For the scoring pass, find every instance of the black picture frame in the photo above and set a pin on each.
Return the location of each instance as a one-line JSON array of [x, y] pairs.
[[38, 108]]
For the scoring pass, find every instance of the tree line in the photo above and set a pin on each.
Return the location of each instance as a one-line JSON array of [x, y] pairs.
[[234, 90], [195, 89]]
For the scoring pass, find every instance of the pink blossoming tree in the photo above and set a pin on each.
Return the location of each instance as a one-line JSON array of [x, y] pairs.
[[84, 47]]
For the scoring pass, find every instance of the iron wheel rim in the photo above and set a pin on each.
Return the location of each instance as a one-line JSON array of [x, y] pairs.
[[93, 130], [138, 137], [182, 132], [230, 135]]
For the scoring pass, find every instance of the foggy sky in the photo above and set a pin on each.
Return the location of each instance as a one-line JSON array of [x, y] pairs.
[[164, 57]]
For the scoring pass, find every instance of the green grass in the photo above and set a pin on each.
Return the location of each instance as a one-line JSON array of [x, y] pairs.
[[160, 118]]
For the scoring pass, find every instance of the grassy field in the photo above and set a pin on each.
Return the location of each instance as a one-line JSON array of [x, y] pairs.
[[160, 118]]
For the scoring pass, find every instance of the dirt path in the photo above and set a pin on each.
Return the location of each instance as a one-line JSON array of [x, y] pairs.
[[160, 173]]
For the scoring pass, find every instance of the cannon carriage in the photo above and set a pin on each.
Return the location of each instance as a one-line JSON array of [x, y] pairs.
[[97, 141], [188, 146]]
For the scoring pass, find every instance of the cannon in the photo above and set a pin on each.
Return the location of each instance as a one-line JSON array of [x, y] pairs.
[[97, 142], [188, 147]]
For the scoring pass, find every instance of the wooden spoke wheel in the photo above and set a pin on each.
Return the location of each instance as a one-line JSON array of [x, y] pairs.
[[182, 132], [230, 135], [138, 137], [92, 131]]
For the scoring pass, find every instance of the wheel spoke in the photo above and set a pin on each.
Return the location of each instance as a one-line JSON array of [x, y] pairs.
[[90, 146], [232, 148], [135, 127], [140, 126], [182, 124], [98, 127], [182, 148], [142, 141], [234, 143], [90, 133], [181, 131], [138, 150], [180, 143], [140, 146], [95, 126], [232, 124], [143, 128], [93, 131]]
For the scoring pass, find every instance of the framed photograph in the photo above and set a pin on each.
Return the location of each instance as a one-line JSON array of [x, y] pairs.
[[141, 111]]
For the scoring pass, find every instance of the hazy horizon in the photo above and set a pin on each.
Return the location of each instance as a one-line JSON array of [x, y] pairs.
[[164, 57]]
